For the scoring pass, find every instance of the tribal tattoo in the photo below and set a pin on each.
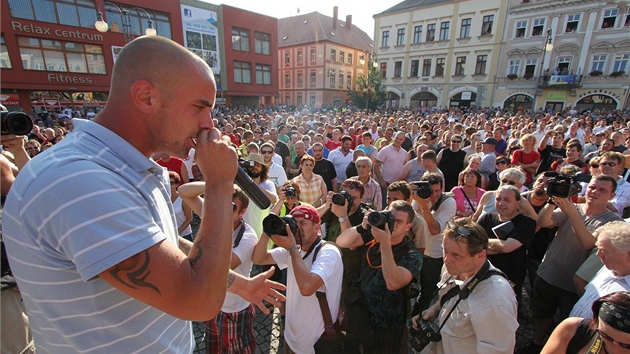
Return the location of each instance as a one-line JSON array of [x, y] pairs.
[[134, 272]]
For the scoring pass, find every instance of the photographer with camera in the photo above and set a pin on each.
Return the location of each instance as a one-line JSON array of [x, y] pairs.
[[554, 289], [389, 264], [437, 208], [485, 320], [312, 265]]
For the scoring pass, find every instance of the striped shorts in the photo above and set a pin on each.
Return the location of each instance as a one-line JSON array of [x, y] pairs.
[[231, 332]]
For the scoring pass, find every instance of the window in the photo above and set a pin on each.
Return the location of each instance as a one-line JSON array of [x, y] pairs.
[[417, 34], [332, 78], [350, 58], [300, 79], [313, 79], [439, 66], [460, 66], [51, 55], [5, 61], [627, 22], [299, 100], [465, 30], [398, 69], [538, 27], [444, 29], [599, 61], [299, 57], [287, 79], [426, 67], [521, 28], [340, 79], [78, 13], [312, 101], [486, 26], [400, 38], [287, 99], [480, 67], [573, 22], [431, 32], [333, 55], [384, 70], [313, 54], [342, 56], [348, 80], [514, 66], [414, 68], [530, 67], [242, 72], [610, 16], [621, 62], [262, 43], [287, 58], [240, 39], [385, 39], [263, 74], [564, 64]]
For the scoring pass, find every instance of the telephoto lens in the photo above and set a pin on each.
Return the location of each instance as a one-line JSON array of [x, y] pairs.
[[16, 123]]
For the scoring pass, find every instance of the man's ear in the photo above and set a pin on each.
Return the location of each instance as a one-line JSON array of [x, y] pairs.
[[145, 96]]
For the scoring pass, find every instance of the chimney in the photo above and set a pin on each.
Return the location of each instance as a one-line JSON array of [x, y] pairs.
[[349, 22], [335, 16]]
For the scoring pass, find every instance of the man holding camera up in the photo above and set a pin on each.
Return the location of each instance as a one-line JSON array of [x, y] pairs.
[[312, 265], [389, 265], [485, 321], [554, 288], [436, 210]]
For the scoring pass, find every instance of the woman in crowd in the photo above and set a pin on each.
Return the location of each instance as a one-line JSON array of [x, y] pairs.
[[468, 193], [607, 332], [527, 158], [312, 186]]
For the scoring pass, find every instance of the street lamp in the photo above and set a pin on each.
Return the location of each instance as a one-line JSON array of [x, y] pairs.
[[548, 48], [125, 14], [367, 75]]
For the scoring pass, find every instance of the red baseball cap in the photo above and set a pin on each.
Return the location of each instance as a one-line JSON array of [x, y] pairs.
[[307, 212]]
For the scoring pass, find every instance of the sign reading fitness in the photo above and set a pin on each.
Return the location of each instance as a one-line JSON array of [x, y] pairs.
[[201, 35]]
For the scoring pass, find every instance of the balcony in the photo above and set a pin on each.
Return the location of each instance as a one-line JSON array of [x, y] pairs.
[[560, 81]]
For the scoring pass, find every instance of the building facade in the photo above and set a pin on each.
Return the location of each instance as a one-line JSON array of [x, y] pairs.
[[559, 54], [52, 56], [319, 59], [441, 53]]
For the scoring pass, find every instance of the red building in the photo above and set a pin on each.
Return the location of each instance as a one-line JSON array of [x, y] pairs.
[[52, 56]]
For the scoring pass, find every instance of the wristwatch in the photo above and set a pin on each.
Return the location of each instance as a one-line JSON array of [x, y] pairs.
[[342, 219]]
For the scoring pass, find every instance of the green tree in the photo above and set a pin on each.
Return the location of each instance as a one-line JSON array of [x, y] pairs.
[[370, 91]]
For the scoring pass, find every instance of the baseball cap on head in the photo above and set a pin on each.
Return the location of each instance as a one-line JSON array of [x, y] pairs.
[[306, 212]]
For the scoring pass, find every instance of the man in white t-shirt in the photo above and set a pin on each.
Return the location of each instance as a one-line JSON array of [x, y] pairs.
[[311, 266]]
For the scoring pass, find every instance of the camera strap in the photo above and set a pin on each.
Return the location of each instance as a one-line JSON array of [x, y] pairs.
[[239, 236], [483, 273]]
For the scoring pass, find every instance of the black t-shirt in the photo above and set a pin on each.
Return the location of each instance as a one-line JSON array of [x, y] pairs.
[[451, 164], [548, 156], [513, 263], [283, 150], [542, 238], [326, 169]]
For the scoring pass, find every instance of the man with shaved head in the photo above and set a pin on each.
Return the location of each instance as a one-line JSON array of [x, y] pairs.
[[100, 265]]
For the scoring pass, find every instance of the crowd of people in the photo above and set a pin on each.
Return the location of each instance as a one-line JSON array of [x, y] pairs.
[[366, 208]]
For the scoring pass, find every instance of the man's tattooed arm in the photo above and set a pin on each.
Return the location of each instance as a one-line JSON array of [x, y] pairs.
[[134, 271]]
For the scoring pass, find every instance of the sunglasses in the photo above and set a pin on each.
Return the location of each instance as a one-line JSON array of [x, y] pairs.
[[507, 181], [456, 141], [233, 207], [174, 181], [611, 164], [267, 152], [595, 165], [502, 162], [459, 230], [610, 339]]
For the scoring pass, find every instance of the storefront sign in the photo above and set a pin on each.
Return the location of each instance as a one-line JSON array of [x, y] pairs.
[[51, 103], [11, 99], [67, 79], [557, 96], [26, 28]]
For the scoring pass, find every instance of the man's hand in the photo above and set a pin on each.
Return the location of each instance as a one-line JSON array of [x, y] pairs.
[[211, 148], [13, 143], [566, 205], [260, 288], [384, 237], [340, 210], [285, 242]]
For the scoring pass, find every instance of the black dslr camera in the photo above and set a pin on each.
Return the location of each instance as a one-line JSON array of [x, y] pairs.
[[426, 333], [380, 218], [276, 225], [16, 123], [424, 190], [289, 192], [341, 197], [565, 186]]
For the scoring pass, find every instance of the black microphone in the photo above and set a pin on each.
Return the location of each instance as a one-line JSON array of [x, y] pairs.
[[251, 189]]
